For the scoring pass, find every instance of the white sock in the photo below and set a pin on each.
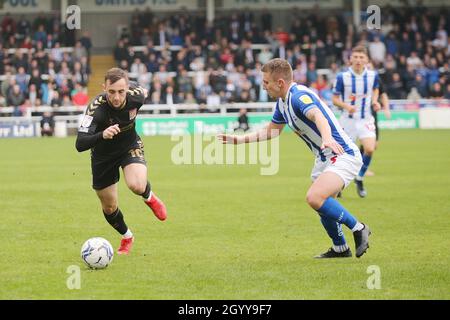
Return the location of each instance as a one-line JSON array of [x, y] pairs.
[[149, 197], [128, 234], [358, 227], [359, 178], [340, 248]]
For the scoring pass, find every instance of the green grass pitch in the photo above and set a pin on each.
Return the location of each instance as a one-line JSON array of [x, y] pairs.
[[231, 233]]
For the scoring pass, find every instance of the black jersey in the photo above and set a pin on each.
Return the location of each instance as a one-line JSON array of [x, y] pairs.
[[381, 87], [100, 115]]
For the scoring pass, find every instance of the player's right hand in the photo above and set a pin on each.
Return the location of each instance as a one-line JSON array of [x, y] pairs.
[[351, 109], [111, 131], [229, 138]]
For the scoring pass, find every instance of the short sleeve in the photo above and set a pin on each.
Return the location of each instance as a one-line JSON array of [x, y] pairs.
[[91, 116], [338, 86], [304, 102], [277, 116], [376, 81], [136, 96]]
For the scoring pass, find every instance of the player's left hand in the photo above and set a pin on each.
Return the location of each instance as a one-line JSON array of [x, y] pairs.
[[387, 113], [333, 145], [376, 106]]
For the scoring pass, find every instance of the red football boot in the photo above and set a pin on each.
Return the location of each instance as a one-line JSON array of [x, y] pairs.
[[158, 207], [125, 245]]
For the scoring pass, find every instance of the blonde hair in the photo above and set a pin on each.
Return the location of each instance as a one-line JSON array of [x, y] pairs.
[[278, 68]]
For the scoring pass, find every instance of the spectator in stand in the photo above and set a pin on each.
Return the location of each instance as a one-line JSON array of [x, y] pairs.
[[311, 74], [2, 101], [414, 61], [391, 44], [78, 75], [421, 84], [86, 42], [321, 54], [120, 52], [413, 95], [27, 43], [319, 85], [66, 101], [432, 72], [265, 55], [33, 95], [22, 79], [436, 91], [169, 97], [446, 95], [16, 99], [243, 124], [377, 51], [23, 29], [47, 124], [79, 96], [395, 87], [8, 26], [40, 35], [56, 100], [79, 51]]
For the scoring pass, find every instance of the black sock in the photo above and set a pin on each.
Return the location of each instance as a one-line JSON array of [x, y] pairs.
[[147, 191], [361, 149], [115, 219]]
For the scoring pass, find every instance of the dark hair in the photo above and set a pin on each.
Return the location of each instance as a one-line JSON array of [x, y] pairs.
[[115, 74]]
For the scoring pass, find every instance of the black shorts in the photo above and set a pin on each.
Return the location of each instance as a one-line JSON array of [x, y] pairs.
[[105, 172], [377, 130]]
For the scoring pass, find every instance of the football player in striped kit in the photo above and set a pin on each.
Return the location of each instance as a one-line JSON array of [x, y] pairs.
[[337, 158], [356, 92]]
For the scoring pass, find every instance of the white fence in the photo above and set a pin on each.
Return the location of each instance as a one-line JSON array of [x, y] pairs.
[[430, 114]]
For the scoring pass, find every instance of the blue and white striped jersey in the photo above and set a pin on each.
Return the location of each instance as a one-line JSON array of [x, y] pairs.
[[356, 90], [293, 110]]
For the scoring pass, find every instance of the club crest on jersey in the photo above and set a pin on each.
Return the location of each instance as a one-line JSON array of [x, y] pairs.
[[87, 120], [306, 99], [133, 113]]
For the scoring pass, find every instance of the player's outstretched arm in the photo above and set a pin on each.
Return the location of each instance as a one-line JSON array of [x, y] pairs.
[[272, 130]]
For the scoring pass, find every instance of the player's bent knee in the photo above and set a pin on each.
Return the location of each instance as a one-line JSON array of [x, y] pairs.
[[314, 200], [137, 188], [369, 151], [109, 208]]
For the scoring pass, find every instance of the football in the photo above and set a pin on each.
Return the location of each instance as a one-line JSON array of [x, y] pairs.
[[97, 253]]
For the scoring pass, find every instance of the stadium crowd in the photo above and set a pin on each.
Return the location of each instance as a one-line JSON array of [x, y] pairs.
[[42, 63], [184, 59]]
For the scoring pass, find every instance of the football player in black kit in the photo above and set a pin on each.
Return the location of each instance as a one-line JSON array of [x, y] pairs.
[[108, 129]]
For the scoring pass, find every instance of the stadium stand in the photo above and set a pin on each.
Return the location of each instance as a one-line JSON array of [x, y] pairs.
[[190, 65], [41, 65], [184, 57]]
